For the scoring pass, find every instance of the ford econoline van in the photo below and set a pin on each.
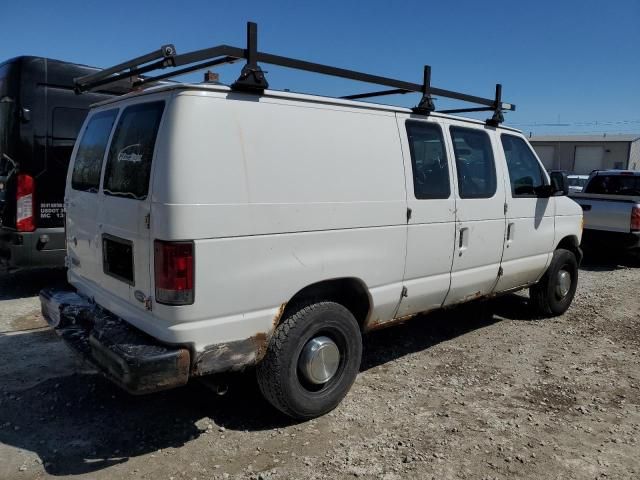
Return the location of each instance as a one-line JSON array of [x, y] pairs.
[[211, 229]]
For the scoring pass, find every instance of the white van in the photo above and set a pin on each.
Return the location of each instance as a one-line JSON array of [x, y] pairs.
[[211, 229]]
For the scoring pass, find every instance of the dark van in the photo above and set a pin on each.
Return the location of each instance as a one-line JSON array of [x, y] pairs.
[[40, 117]]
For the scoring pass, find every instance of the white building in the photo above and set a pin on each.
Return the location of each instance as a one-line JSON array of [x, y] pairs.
[[584, 153]]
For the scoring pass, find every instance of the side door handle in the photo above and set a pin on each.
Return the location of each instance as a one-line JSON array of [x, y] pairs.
[[586, 208], [463, 240], [510, 230]]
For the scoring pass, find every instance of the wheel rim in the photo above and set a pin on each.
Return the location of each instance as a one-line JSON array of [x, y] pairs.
[[319, 360], [563, 283]]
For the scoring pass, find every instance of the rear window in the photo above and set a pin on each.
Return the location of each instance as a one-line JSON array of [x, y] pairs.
[[129, 163], [88, 162], [614, 185]]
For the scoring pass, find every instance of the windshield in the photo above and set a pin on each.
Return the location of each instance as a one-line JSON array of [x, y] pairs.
[[615, 185], [131, 152]]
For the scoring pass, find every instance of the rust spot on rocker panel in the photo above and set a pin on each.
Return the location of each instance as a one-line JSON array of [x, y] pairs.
[[473, 296], [378, 324]]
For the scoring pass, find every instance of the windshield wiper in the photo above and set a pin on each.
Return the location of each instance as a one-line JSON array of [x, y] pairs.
[[124, 194]]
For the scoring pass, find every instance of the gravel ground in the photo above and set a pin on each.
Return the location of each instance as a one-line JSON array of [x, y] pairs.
[[445, 396]]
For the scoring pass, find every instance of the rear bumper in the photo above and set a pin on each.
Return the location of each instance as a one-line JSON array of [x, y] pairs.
[[612, 242], [43, 247], [130, 358]]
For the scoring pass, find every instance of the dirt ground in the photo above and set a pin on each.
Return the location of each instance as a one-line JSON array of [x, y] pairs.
[[445, 396]]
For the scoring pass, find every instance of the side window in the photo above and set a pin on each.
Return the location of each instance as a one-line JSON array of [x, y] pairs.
[[524, 170], [131, 151], [429, 161], [474, 161], [88, 162]]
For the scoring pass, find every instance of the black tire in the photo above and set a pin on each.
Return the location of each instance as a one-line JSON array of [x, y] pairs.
[[544, 296], [279, 379]]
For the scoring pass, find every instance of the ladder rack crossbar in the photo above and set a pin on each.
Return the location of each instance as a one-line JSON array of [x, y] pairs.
[[252, 77]]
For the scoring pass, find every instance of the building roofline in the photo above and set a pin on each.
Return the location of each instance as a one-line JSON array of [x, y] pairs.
[[613, 137]]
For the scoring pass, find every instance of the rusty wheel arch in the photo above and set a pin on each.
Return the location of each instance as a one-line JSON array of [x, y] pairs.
[[350, 292]]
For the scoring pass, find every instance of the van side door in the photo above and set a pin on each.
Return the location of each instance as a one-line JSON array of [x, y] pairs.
[[530, 219], [431, 215], [65, 116], [480, 215]]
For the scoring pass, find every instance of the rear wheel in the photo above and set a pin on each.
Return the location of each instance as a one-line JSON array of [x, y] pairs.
[[312, 360], [553, 294]]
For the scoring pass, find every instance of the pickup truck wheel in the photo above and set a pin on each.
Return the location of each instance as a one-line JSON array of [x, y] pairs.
[[312, 360], [553, 294]]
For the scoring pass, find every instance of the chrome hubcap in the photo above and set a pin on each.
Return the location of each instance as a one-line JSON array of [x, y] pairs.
[[563, 284], [319, 360]]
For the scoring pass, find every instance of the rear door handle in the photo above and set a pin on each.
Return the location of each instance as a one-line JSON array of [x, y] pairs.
[[586, 208]]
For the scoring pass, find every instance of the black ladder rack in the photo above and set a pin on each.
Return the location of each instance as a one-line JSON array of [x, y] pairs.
[[252, 78]]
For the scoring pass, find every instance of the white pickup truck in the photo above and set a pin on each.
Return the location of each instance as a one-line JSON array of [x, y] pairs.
[[611, 205]]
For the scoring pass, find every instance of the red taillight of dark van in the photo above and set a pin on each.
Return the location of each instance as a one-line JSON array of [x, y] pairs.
[[174, 273], [25, 220], [635, 219]]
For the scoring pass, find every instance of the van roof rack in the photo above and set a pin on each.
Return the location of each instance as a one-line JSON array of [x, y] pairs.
[[252, 78]]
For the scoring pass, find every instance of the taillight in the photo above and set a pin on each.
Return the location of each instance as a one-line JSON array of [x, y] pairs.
[[25, 220], [635, 219], [174, 266]]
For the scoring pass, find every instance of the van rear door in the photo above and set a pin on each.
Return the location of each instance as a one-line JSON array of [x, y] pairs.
[[124, 214], [82, 199], [66, 114]]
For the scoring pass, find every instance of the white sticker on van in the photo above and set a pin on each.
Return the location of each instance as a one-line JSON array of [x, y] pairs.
[[126, 155]]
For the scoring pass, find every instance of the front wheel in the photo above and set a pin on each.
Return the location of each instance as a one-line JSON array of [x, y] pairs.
[[312, 360], [553, 294]]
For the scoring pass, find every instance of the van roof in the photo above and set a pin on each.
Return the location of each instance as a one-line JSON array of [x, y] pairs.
[[303, 97], [59, 73]]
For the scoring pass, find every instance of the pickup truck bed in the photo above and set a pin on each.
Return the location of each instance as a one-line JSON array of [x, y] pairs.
[[611, 221]]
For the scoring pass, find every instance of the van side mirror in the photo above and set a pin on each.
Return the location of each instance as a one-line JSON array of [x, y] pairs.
[[559, 182]]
